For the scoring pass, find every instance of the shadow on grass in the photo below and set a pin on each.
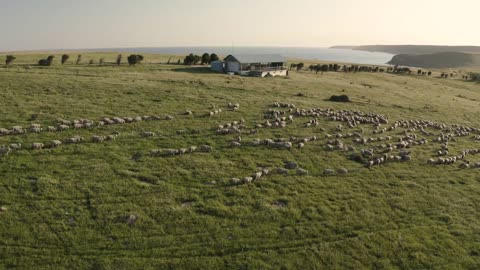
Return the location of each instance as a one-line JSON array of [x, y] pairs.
[[195, 70]]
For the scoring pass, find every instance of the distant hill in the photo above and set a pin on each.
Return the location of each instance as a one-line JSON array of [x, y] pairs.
[[412, 49], [437, 60]]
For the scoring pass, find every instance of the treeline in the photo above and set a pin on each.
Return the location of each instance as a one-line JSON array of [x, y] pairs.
[[132, 60], [205, 59]]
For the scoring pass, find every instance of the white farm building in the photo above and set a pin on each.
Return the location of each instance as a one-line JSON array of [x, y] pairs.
[[253, 65]]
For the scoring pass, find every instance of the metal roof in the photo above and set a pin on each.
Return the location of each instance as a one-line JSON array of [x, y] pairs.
[[256, 58]]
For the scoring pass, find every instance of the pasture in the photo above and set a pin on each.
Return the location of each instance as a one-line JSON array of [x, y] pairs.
[[112, 204]]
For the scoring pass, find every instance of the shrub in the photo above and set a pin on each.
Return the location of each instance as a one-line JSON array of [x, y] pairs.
[[79, 59], [134, 59], [341, 98], [65, 58], [191, 59], [91, 62], [119, 60], [206, 58], [46, 62], [101, 61], [214, 57], [9, 60]]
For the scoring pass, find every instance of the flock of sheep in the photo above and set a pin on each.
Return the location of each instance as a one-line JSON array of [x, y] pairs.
[[386, 142]]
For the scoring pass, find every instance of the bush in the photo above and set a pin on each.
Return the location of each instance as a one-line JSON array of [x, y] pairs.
[[214, 57], [101, 61], [341, 98], [206, 58], [79, 59], [9, 60], [134, 59], [46, 62], [65, 58], [191, 59], [119, 60]]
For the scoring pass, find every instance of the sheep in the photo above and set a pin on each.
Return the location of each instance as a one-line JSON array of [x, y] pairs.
[[247, 180], [281, 171], [155, 153], [188, 112], [148, 134], [63, 127], [301, 171], [15, 146], [118, 120], [168, 117], [4, 151], [55, 143], [206, 148], [464, 166], [256, 176], [236, 181], [37, 146], [235, 144], [342, 171], [171, 152], [182, 151], [328, 172], [4, 131], [265, 172], [301, 145], [98, 139], [73, 140], [192, 149], [290, 165], [51, 129], [111, 137]]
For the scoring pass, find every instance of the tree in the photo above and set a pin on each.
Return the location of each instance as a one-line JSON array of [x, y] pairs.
[[46, 62], [119, 60], [79, 59], [206, 58], [300, 66], [134, 59], [191, 59], [65, 58], [9, 60], [214, 57]]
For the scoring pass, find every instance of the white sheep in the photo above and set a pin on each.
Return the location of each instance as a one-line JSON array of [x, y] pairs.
[[155, 153], [98, 139], [301, 171], [55, 143], [148, 134], [328, 172], [247, 180], [206, 148], [37, 146], [15, 146]]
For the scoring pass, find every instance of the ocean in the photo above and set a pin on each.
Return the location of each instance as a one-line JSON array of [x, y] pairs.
[[324, 54]]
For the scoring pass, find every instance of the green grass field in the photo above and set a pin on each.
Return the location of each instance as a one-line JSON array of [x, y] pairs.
[[68, 207]]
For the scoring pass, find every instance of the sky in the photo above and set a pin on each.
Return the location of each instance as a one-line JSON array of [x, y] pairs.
[[75, 24]]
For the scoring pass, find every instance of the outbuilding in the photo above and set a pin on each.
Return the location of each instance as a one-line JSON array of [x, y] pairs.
[[261, 65]]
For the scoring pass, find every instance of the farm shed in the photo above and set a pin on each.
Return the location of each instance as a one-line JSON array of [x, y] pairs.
[[256, 65], [218, 66]]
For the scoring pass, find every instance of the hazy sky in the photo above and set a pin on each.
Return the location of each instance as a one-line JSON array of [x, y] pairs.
[[54, 24]]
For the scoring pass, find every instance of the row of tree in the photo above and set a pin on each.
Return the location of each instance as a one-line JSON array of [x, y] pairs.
[[205, 59], [132, 59]]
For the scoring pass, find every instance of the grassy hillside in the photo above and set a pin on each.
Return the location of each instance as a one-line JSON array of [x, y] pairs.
[[413, 49], [436, 60], [111, 205]]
